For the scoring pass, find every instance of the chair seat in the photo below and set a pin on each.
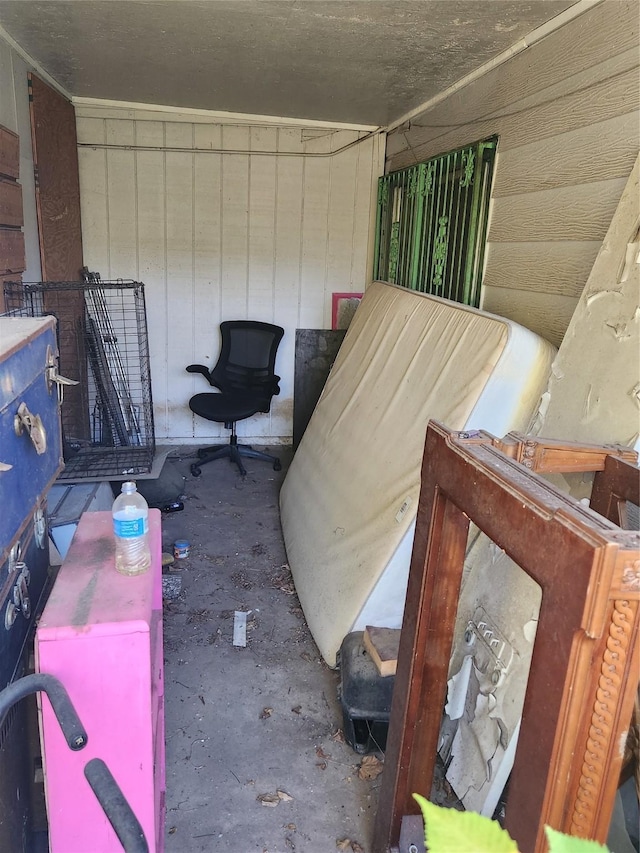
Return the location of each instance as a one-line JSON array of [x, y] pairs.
[[224, 408]]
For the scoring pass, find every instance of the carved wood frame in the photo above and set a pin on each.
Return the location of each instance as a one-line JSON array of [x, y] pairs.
[[582, 680]]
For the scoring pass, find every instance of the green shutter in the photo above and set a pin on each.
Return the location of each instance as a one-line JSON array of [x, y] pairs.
[[431, 223]]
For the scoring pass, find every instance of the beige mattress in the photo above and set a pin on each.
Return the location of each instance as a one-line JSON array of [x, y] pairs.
[[349, 500]]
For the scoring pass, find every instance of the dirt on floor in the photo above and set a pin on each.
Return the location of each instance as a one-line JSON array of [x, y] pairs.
[[256, 758]]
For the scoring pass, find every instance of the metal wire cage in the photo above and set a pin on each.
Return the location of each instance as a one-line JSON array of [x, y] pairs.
[[107, 418]]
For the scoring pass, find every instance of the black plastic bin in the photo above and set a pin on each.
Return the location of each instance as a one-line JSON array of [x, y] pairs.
[[365, 696]]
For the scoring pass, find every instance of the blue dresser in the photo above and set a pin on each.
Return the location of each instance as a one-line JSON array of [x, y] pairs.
[[30, 460]]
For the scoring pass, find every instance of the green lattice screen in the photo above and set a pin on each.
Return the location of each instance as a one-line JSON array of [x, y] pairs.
[[431, 224]]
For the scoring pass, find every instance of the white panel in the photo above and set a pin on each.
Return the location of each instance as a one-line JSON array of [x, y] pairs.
[[150, 186], [235, 224], [315, 229], [121, 195], [207, 263], [262, 207], [94, 200], [222, 236], [341, 224], [288, 262], [180, 272], [368, 170]]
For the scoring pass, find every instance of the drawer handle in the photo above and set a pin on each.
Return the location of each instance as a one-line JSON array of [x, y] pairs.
[[24, 420], [21, 597]]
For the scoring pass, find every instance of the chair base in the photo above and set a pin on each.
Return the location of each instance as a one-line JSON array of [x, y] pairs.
[[233, 452]]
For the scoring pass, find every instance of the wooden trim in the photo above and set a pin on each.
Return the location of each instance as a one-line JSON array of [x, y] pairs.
[[578, 701]]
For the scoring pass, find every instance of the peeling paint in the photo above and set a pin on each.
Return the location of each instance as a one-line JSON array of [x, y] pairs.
[[631, 257], [622, 741], [586, 408], [593, 297], [619, 330], [634, 393]]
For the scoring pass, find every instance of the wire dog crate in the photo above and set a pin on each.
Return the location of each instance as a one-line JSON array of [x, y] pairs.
[[107, 418]]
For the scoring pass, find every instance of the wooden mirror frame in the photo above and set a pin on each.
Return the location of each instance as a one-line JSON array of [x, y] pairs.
[[583, 675]]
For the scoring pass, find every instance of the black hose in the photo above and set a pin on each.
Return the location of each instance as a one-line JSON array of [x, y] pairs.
[[72, 728], [115, 806]]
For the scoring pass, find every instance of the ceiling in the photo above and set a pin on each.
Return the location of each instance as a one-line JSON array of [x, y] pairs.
[[361, 62]]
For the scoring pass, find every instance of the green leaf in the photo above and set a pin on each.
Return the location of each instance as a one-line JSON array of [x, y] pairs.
[[451, 831], [561, 843]]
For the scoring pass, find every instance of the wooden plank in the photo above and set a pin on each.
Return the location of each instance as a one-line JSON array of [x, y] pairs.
[[560, 268], [12, 257], [56, 164], [382, 645], [9, 153], [575, 157], [11, 204], [570, 213], [58, 189], [546, 314]]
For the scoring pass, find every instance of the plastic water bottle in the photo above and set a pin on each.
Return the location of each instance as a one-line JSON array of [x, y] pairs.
[[131, 529]]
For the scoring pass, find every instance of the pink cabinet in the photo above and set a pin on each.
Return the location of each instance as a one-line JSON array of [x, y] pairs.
[[101, 635]]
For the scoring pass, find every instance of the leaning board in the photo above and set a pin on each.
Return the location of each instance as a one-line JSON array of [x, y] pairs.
[[349, 500]]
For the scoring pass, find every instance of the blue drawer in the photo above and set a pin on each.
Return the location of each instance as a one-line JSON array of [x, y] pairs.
[[34, 451]]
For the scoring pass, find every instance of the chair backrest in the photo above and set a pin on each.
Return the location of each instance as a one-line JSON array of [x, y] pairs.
[[248, 357]]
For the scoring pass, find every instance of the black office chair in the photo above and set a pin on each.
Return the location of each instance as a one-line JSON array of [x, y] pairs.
[[245, 374]]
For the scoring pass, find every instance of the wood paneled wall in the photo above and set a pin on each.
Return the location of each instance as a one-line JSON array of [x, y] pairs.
[[217, 236], [566, 110]]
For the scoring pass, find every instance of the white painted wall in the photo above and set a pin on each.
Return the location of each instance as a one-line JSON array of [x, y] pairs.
[[14, 115], [218, 236]]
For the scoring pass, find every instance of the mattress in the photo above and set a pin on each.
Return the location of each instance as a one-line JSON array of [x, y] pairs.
[[348, 503]]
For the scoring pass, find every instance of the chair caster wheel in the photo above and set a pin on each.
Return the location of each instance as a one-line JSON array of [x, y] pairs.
[[277, 466], [195, 470]]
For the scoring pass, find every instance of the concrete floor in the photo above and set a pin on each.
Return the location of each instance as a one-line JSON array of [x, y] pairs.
[[242, 723]]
